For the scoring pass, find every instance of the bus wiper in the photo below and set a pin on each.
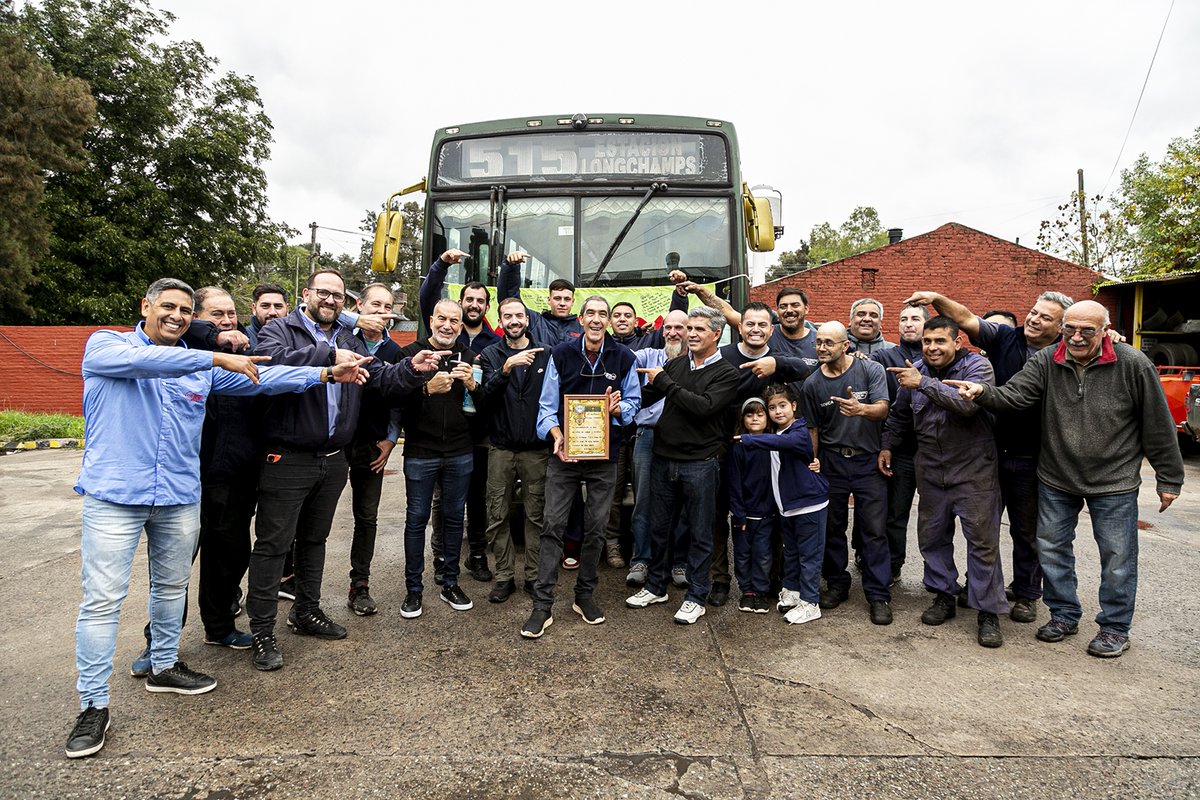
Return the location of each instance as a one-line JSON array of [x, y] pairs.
[[654, 187], [498, 211]]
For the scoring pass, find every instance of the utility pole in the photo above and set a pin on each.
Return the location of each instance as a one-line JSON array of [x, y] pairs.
[[312, 253], [1082, 220]]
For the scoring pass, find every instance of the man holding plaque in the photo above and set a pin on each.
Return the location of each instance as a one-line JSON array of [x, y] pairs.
[[590, 390]]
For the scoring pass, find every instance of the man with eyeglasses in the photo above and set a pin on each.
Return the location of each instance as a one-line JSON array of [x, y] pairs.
[[1017, 434], [1102, 410]]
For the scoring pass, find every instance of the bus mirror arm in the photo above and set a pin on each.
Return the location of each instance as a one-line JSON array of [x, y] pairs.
[[654, 187]]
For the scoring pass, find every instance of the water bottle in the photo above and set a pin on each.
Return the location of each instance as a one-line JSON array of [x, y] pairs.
[[468, 403]]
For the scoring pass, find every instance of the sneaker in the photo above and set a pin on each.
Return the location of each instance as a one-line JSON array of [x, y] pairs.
[[315, 623], [360, 601], [748, 602], [237, 608], [570, 562], [1108, 644], [1024, 609], [456, 598], [140, 667], [881, 612], [1056, 630], [412, 606], [180, 680], [439, 570], [537, 623], [645, 598], [234, 640], [689, 612], [787, 599], [266, 652], [762, 604], [679, 577], [833, 596], [87, 736], [586, 607], [478, 567], [803, 611], [943, 608], [718, 595], [502, 591], [287, 588], [989, 630], [612, 552], [637, 574]]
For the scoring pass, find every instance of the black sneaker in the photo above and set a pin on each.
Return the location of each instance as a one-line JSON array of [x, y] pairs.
[[412, 606], [1056, 630], [439, 570], [719, 594], [881, 612], [989, 630], [1024, 609], [287, 588], [748, 601], [833, 596], [502, 591], [315, 623], [586, 607], [762, 604], [537, 623], [360, 600], [456, 598], [478, 567], [180, 680], [266, 652], [943, 608], [87, 736]]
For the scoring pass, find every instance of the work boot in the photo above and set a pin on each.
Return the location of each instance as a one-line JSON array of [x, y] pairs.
[[989, 630], [943, 608]]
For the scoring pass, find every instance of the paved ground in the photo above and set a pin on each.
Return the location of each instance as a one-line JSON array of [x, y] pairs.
[[739, 706]]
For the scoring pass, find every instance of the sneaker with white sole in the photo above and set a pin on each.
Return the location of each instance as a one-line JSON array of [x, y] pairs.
[[787, 599], [689, 612], [180, 680], [587, 608], [645, 598], [140, 667], [679, 577], [637, 574], [87, 736], [802, 612], [456, 598]]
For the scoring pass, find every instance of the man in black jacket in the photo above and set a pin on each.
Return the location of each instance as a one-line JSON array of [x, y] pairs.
[[513, 371]]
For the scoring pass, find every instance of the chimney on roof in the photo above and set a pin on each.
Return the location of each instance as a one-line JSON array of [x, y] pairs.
[[895, 235]]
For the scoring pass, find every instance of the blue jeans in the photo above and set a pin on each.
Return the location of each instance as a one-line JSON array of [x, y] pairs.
[[110, 538], [690, 486], [803, 553], [752, 555], [420, 476], [643, 455], [1114, 525]]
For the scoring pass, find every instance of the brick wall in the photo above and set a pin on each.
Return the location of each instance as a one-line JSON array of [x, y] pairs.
[[41, 366], [974, 268]]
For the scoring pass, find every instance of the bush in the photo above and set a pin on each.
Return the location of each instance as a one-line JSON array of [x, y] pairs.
[[19, 426]]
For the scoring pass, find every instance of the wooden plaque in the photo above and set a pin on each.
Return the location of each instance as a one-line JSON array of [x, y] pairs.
[[585, 426]]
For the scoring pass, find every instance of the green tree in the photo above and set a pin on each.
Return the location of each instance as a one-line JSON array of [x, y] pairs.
[[43, 116], [861, 232], [790, 261], [174, 184], [1159, 205], [405, 280]]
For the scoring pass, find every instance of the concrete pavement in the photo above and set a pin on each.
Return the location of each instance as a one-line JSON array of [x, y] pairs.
[[456, 704]]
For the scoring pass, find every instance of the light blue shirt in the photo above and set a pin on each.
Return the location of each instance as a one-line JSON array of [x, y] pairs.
[[550, 399], [143, 408], [333, 392], [648, 359]]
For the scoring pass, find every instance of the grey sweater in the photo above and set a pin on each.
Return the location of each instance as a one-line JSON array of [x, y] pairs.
[[1096, 427]]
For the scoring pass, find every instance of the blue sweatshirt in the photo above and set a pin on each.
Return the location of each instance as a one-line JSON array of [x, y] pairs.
[[749, 474], [793, 484]]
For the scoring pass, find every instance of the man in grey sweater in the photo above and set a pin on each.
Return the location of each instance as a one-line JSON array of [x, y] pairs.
[[1103, 409]]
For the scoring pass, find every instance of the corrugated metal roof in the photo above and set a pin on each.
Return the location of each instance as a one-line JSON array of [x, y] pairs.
[[1170, 276]]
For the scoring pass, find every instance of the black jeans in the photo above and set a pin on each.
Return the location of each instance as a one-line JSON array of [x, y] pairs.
[[225, 513], [1019, 494], [297, 497], [366, 487], [562, 485], [858, 476], [902, 487]]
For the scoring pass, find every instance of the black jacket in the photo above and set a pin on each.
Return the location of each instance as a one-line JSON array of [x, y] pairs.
[[510, 402], [376, 410], [435, 425], [232, 437]]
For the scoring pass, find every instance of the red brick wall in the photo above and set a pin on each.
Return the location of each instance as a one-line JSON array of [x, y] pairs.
[[41, 366], [972, 267]]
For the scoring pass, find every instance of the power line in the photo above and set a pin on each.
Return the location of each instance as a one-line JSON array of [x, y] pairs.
[[359, 234], [1138, 105]]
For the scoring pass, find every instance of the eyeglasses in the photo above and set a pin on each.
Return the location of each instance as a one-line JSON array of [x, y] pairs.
[[325, 294], [1088, 333], [828, 343]]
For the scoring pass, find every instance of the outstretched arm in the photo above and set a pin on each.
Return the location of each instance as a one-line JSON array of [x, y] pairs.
[[967, 322]]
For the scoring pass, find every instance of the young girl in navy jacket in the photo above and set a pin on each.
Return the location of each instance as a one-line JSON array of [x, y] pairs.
[[752, 510], [801, 497]]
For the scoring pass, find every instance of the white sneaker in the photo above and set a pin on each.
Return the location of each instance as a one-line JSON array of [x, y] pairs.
[[644, 598], [689, 612], [788, 599], [803, 612]]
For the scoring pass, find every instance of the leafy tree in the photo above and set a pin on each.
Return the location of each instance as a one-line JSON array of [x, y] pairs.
[[861, 232], [405, 280], [1106, 235], [1159, 205], [790, 261], [43, 116], [173, 185]]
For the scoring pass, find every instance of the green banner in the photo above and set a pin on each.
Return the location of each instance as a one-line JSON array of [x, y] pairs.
[[651, 303]]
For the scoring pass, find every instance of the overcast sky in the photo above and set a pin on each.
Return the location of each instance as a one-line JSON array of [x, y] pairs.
[[930, 112]]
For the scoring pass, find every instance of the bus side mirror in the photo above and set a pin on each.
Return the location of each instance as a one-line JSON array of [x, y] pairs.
[[760, 230], [385, 252]]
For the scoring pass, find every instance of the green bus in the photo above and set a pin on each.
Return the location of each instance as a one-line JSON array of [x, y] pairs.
[[610, 202]]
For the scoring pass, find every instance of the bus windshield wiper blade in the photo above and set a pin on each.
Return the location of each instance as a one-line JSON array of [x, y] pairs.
[[654, 187], [498, 209]]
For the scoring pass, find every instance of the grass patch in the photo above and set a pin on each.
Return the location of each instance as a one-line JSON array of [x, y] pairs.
[[20, 426]]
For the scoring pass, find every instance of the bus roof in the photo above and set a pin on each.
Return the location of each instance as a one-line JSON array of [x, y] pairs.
[[594, 121]]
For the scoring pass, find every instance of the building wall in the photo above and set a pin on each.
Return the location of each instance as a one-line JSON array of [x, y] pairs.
[[41, 366], [974, 268]]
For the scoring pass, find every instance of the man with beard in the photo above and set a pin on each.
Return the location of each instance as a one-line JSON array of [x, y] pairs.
[[792, 336], [902, 481], [437, 452], [475, 335], [268, 302], [513, 371], [556, 324], [866, 326], [956, 453], [592, 365], [845, 403], [1018, 435]]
